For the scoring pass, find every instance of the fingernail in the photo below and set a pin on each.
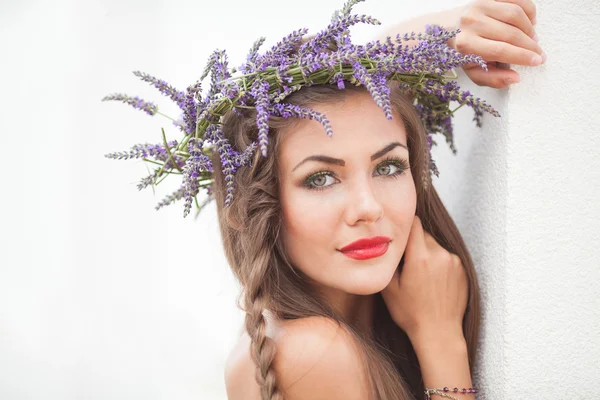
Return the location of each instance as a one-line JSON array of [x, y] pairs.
[[544, 57], [536, 37], [510, 81], [534, 21], [536, 59]]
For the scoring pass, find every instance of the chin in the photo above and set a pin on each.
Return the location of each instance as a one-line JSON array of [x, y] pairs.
[[371, 280]]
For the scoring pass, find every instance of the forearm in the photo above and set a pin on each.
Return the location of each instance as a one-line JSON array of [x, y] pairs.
[[448, 19], [444, 362]]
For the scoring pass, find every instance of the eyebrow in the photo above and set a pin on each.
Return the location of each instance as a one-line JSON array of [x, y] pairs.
[[340, 162]]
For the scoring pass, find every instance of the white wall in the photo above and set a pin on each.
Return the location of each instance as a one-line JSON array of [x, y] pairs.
[[524, 192], [101, 297]]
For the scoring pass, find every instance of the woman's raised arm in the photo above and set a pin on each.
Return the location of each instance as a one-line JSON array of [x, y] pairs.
[[500, 31], [427, 299]]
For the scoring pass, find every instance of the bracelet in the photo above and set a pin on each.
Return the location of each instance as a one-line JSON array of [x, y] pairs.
[[444, 392]]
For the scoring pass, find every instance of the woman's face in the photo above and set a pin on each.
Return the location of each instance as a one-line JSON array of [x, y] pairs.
[[337, 190]]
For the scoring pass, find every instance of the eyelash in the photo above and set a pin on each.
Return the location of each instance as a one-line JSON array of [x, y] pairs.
[[400, 163]]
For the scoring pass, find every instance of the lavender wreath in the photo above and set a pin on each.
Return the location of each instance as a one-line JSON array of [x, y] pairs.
[[265, 80]]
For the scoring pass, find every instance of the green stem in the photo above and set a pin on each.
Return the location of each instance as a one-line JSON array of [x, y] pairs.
[[166, 116], [457, 108], [169, 151], [152, 161]]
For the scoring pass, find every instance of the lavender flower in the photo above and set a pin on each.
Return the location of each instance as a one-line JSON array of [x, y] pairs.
[[375, 86], [245, 158], [346, 9], [148, 181], [166, 89], [318, 43], [146, 106], [282, 49], [190, 106], [195, 169], [252, 55], [339, 80], [157, 151], [190, 186], [176, 195], [380, 81], [218, 68], [290, 110], [261, 92], [279, 96], [226, 154]]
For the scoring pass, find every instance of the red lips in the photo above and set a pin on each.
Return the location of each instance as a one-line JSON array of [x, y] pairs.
[[366, 243], [364, 249]]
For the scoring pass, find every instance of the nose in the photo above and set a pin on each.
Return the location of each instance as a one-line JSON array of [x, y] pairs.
[[362, 204]]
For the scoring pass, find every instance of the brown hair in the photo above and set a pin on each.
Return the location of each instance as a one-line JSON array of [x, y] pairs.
[[250, 229]]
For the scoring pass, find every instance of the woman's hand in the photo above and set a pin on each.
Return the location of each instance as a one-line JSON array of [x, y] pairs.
[[429, 296], [500, 31]]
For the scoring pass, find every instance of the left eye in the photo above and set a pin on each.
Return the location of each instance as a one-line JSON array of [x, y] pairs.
[[388, 169]]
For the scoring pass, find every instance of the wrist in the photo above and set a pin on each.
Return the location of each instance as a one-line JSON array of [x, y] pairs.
[[439, 338], [442, 354], [453, 17]]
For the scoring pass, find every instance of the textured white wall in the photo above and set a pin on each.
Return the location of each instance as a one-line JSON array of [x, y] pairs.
[[525, 194], [103, 298], [553, 211]]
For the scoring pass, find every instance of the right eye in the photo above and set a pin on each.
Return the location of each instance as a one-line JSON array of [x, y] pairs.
[[319, 181]]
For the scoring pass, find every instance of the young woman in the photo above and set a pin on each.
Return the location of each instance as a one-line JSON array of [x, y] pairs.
[[356, 282]]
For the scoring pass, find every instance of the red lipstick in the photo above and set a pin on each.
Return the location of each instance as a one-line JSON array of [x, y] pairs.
[[366, 248]]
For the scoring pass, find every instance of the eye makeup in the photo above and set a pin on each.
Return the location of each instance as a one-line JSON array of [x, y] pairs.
[[400, 165]]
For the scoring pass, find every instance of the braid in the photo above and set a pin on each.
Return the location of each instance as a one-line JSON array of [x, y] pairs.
[[262, 349], [261, 220]]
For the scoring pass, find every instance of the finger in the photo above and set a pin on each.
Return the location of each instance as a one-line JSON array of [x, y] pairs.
[[493, 29], [430, 242], [456, 260], [493, 50], [510, 13], [495, 76], [416, 246], [393, 285], [527, 6]]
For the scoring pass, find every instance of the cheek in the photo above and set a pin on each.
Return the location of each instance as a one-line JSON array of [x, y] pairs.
[[400, 209], [306, 224]]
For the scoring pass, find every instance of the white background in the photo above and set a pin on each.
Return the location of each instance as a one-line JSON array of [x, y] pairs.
[[101, 297]]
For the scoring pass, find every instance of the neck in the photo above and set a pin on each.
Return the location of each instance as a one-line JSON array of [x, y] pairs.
[[357, 310]]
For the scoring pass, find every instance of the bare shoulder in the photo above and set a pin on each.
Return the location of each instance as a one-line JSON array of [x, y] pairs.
[[315, 358], [240, 370], [318, 359]]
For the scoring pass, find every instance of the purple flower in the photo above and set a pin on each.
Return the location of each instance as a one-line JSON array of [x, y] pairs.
[[290, 110], [245, 158], [380, 80], [190, 187], [318, 43], [212, 60], [279, 96], [376, 85], [252, 55], [166, 89], [148, 181], [226, 155], [260, 91], [199, 161], [146, 106], [176, 195], [157, 151], [339, 79], [190, 107], [195, 169], [281, 50]]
